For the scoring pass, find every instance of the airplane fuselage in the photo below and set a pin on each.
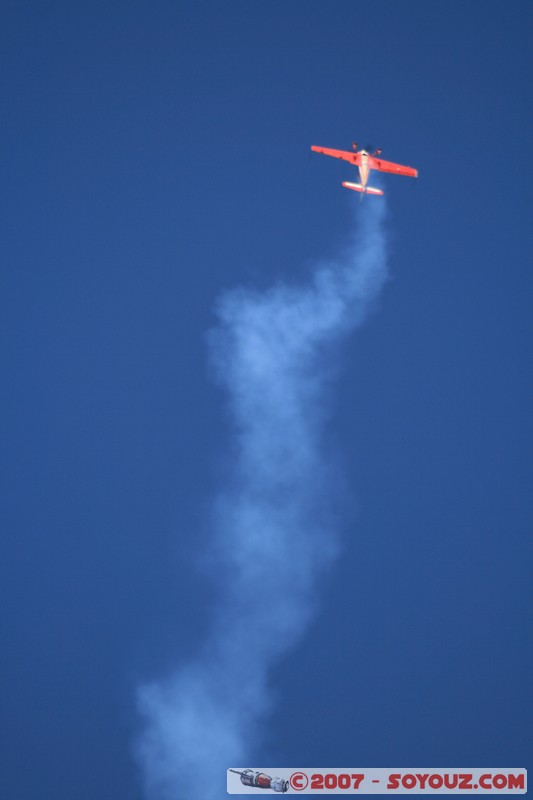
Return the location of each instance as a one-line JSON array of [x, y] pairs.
[[364, 168]]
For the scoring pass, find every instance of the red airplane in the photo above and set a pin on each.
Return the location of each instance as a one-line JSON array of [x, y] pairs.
[[365, 162]]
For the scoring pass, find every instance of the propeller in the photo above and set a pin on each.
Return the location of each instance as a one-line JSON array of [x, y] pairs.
[[372, 149]]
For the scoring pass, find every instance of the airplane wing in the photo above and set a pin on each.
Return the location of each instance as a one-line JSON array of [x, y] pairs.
[[353, 158], [396, 169]]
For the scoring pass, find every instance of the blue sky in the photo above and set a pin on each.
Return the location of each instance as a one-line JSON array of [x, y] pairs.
[[155, 156]]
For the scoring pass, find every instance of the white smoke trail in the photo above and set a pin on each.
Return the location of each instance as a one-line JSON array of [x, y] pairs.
[[273, 532]]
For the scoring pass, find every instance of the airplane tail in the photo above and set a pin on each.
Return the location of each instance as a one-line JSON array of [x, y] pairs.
[[364, 189]]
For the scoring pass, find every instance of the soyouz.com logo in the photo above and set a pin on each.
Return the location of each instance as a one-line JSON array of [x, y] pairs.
[[377, 781]]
